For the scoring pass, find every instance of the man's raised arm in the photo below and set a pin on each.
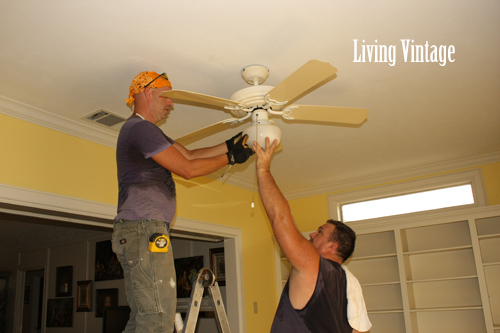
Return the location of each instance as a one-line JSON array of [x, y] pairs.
[[299, 251]]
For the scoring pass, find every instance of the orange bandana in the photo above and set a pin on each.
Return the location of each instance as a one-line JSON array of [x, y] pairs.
[[141, 80]]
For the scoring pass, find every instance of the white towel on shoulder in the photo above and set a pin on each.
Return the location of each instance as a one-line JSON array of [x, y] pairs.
[[356, 308]]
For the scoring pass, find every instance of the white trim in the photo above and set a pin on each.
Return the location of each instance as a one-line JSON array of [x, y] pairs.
[[27, 198], [473, 177], [397, 176], [44, 200], [50, 120]]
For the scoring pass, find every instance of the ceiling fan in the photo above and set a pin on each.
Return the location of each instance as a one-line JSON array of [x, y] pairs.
[[257, 102]]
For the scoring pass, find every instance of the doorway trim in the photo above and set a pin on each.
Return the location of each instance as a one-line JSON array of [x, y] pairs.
[[28, 202]]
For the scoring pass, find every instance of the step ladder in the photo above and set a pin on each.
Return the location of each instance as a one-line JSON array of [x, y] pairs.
[[205, 279]]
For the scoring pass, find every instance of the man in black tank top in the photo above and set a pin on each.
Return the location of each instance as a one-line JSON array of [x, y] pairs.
[[314, 298]]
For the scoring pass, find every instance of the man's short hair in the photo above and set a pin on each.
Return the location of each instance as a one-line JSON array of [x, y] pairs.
[[345, 237]]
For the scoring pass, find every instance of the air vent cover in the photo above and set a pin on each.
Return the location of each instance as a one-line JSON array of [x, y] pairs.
[[105, 118]]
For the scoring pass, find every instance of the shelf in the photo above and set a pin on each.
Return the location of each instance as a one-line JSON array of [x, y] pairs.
[[385, 311], [488, 226], [490, 249], [443, 279], [387, 322], [390, 255], [391, 300], [491, 264], [447, 309], [380, 284], [456, 263], [429, 238], [445, 294], [445, 249], [375, 244], [377, 270], [450, 320], [489, 236]]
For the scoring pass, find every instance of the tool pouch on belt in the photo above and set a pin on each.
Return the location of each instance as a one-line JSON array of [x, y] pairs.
[[158, 243]]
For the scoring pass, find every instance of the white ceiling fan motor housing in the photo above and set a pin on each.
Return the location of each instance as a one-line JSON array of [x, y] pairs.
[[261, 128], [251, 97]]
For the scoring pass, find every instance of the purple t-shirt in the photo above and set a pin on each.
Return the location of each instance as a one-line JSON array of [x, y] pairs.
[[146, 189]]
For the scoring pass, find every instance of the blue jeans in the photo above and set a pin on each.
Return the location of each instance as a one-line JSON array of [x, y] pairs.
[[150, 280]]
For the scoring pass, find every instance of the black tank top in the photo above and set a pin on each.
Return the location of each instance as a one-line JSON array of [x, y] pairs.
[[326, 311]]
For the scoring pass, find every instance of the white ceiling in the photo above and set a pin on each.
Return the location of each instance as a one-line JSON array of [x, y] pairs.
[[70, 58]]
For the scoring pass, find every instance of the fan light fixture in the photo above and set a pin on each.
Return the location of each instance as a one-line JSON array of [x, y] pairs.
[[262, 127]]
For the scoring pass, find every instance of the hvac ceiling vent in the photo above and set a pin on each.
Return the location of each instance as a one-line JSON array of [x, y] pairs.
[[106, 118]]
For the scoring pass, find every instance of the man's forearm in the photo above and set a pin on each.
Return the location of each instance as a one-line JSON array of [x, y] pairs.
[[203, 152], [300, 252]]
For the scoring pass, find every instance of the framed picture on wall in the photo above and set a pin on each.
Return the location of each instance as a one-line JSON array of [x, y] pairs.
[[64, 281], [60, 312], [105, 298], [84, 296], [187, 270], [107, 266], [218, 265]]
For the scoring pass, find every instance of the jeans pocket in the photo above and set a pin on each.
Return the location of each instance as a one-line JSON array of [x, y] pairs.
[[126, 244]]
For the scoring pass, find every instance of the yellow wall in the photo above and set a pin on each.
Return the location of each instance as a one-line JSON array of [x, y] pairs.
[[38, 158], [46, 160], [491, 176]]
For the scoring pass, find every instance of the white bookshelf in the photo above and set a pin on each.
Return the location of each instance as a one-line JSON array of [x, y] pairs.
[[488, 232], [430, 273], [375, 264], [449, 274]]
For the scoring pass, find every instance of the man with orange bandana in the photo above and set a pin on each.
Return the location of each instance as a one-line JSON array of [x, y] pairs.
[[146, 159]]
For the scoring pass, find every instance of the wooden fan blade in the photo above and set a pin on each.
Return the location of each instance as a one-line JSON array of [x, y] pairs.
[[329, 114], [204, 132], [196, 99], [304, 80]]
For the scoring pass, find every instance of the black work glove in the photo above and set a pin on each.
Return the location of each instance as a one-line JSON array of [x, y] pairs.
[[240, 156], [234, 141], [240, 152]]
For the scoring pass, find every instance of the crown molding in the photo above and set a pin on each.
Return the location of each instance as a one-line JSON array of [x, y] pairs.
[[396, 176], [50, 120]]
